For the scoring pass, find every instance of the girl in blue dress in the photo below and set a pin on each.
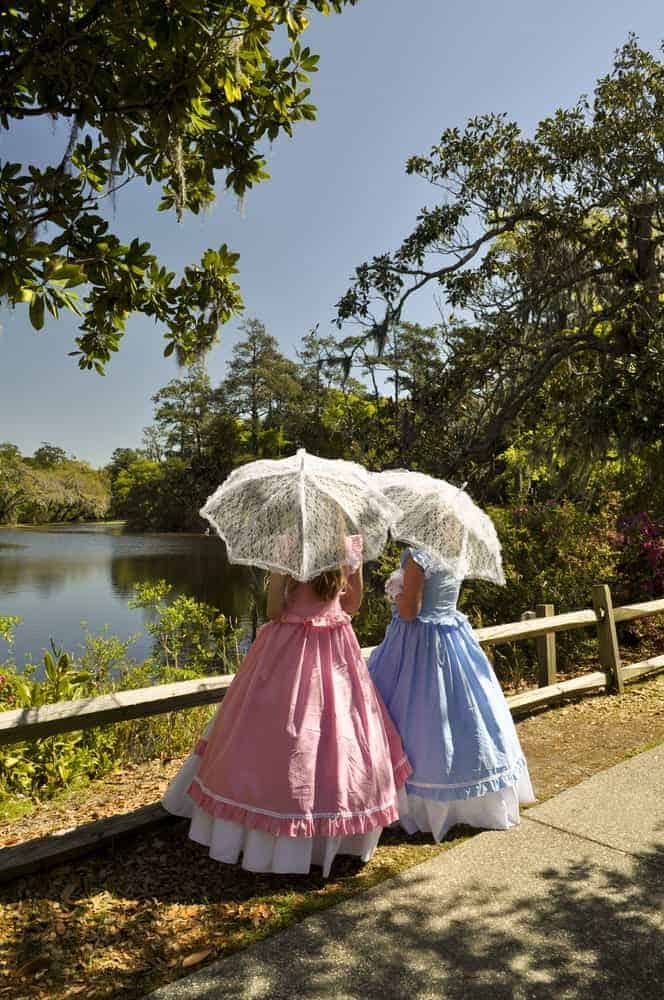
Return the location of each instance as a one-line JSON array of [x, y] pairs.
[[445, 700]]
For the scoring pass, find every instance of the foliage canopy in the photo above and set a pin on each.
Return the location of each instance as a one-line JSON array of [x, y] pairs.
[[546, 255], [180, 93]]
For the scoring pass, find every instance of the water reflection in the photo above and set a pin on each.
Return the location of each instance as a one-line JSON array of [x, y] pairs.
[[56, 578], [195, 565]]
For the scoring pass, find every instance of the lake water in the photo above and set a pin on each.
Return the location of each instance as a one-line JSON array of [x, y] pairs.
[[55, 578]]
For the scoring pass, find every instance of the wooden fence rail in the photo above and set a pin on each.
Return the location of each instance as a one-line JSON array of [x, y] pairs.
[[85, 713]]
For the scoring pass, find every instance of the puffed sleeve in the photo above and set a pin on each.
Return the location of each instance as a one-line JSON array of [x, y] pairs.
[[427, 563]]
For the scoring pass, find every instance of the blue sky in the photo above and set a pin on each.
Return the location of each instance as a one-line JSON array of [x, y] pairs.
[[393, 74]]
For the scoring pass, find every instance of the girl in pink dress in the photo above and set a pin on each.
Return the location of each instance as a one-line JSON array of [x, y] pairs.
[[301, 761]]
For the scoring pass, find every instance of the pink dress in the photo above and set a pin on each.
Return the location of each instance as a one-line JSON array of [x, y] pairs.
[[301, 761]]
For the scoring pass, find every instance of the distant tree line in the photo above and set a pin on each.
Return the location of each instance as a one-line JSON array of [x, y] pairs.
[[268, 405], [49, 487]]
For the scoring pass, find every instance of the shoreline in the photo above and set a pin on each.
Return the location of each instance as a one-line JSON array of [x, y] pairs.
[[103, 524], [64, 524]]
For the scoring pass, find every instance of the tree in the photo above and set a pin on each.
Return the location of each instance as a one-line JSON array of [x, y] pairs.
[[48, 455], [191, 447], [405, 363], [137, 494], [315, 374], [12, 482], [551, 249], [122, 458], [259, 378], [9, 452], [152, 443], [352, 425], [181, 93], [181, 410]]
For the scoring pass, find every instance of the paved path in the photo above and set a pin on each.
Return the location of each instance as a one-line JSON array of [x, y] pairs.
[[570, 904]]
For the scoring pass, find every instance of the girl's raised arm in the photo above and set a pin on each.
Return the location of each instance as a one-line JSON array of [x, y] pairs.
[[276, 595], [351, 598], [409, 601]]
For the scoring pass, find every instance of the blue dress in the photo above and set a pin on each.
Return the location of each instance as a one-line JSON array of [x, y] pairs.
[[452, 715]]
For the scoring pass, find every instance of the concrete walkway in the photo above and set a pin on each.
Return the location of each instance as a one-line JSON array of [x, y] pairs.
[[570, 904]]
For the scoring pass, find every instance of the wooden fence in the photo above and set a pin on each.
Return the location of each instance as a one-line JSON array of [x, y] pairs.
[[541, 625]]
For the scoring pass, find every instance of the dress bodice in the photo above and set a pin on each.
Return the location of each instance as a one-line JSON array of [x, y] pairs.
[[441, 589], [303, 604]]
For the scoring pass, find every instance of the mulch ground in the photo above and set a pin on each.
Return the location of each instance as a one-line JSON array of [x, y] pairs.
[[153, 906]]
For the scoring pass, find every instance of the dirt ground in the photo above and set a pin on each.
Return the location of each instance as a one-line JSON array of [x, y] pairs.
[[144, 911], [567, 744]]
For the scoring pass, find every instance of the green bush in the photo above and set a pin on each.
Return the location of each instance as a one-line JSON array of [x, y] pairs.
[[553, 553], [374, 615], [186, 631], [190, 639], [41, 767]]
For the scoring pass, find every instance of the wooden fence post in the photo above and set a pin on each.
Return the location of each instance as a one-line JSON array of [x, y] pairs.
[[546, 648], [609, 654], [528, 616]]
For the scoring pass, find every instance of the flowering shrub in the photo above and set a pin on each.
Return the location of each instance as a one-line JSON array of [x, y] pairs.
[[639, 543]]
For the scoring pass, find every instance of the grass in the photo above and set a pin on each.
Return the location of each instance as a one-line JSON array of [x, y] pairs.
[[13, 809]]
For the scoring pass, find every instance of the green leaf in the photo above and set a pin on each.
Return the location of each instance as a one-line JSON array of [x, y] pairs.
[[37, 311], [218, 104], [231, 89]]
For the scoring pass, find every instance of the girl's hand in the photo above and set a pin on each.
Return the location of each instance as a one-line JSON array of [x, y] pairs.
[[394, 585]]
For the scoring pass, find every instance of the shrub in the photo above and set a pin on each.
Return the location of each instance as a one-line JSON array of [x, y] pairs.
[[40, 767], [187, 632], [374, 615], [639, 545], [190, 638], [552, 553]]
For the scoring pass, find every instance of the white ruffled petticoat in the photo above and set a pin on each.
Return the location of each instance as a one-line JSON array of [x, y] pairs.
[[260, 851], [497, 810]]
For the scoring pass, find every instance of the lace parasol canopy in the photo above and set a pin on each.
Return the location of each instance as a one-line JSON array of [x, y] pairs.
[[295, 515], [443, 520]]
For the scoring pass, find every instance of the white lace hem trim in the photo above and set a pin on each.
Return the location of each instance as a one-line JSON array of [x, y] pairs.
[[340, 813]]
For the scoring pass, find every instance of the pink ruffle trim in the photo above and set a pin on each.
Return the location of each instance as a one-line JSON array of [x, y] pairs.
[[402, 772], [301, 826]]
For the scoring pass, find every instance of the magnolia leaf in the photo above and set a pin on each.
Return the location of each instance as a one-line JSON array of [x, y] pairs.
[[196, 957]]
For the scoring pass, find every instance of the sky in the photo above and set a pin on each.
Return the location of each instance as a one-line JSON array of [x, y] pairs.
[[393, 74]]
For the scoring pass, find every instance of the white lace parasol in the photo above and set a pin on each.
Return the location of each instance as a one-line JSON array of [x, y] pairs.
[[443, 520], [294, 515]]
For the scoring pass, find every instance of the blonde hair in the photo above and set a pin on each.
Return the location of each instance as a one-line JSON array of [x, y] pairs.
[[327, 585]]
